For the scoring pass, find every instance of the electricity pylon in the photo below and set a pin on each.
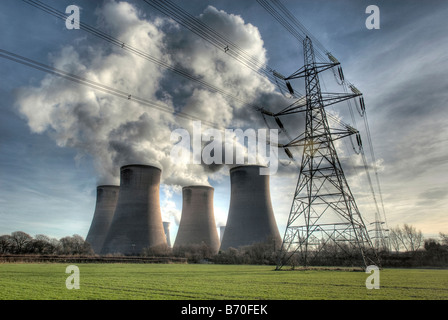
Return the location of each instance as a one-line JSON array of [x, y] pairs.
[[324, 215]]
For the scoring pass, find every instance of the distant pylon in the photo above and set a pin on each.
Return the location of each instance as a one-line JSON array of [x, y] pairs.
[[324, 213]]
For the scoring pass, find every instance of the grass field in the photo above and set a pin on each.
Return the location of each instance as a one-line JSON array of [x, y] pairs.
[[223, 282]]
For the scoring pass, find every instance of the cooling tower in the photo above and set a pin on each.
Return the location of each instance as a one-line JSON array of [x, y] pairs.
[[251, 218], [197, 224], [137, 222], [221, 232], [166, 229], [106, 200]]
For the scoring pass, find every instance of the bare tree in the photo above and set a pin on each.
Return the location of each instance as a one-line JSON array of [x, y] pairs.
[[20, 240], [406, 237], [413, 237], [162, 250], [43, 244], [395, 238], [444, 238], [74, 245], [5, 243]]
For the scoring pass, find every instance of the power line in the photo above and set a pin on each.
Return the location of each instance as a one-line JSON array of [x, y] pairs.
[[218, 40], [98, 86], [121, 44], [299, 25], [292, 25], [363, 114], [253, 63]]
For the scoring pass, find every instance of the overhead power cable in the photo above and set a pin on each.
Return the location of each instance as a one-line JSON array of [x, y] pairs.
[[98, 86], [218, 40], [316, 43], [363, 114], [123, 45], [292, 25]]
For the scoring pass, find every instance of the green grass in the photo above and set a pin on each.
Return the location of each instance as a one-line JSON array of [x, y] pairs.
[[222, 282]]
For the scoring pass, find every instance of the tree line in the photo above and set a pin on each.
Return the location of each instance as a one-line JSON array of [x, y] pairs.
[[19, 242], [406, 248]]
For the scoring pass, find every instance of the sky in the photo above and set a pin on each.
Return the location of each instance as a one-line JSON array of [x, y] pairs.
[[59, 139]]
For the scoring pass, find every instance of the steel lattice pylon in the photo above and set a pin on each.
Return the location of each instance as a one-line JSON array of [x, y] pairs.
[[324, 213]]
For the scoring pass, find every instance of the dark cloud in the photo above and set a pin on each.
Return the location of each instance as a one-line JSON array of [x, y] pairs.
[[433, 194]]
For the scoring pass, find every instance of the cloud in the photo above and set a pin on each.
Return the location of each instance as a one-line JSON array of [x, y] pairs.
[[433, 195]]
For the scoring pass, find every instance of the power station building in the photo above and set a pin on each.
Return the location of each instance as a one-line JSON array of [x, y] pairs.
[[197, 225], [251, 217], [137, 222], [106, 201]]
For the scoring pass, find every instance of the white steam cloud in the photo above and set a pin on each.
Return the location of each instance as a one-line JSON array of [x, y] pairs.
[[115, 131]]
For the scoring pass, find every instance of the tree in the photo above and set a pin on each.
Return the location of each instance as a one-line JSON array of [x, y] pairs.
[[74, 245], [5, 243], [20, 240], [444, 238], [194, 252], [406, 237], [413, 237], [432, 245], [42, 244], [162, 250], [395, 238]]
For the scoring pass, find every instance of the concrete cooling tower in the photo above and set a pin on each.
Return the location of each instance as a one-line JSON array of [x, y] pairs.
[[197, 224], [221, 232], [166, 229], [137, 222], [251, 217], [106, 201]]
